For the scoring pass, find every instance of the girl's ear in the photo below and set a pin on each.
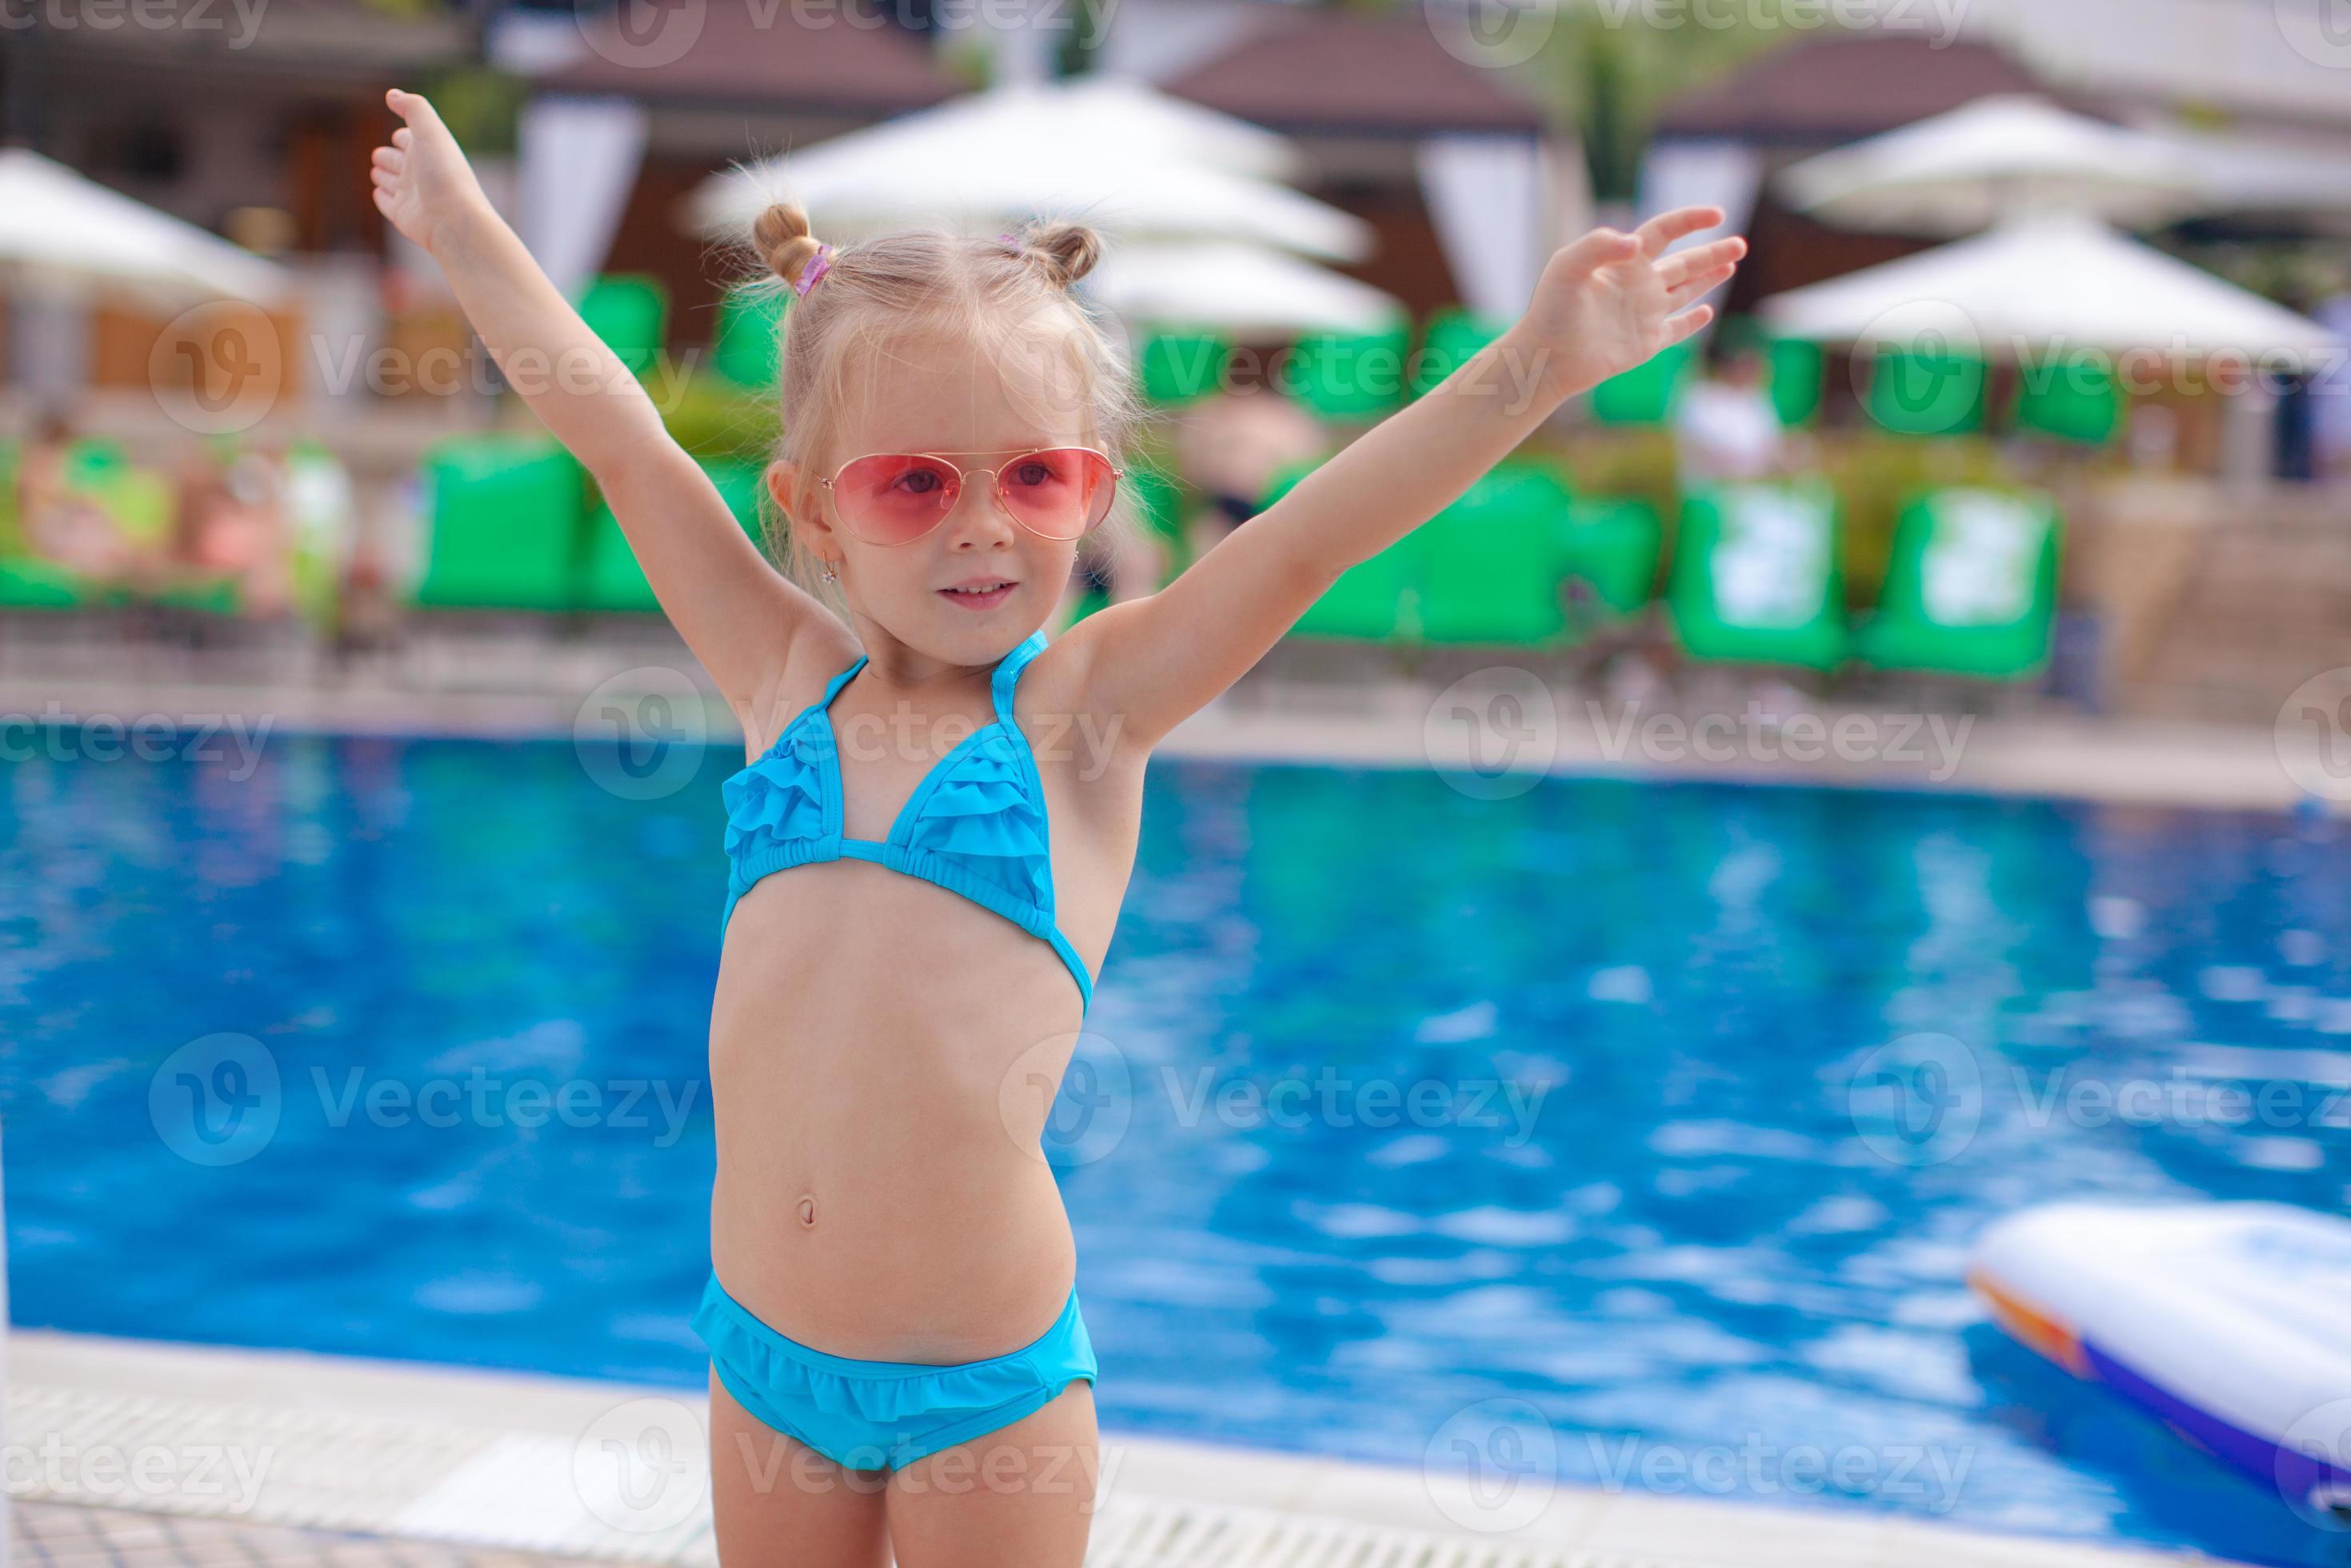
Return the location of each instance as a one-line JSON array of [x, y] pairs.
[[782, 478]]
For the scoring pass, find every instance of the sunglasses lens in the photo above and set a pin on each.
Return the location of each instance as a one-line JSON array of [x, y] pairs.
[[1059, 493], [893, 497]]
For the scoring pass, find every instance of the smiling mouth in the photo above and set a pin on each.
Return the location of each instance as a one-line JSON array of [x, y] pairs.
[[979, 595]]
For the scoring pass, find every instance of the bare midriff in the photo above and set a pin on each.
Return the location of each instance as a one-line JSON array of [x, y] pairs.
[[882, 1051]]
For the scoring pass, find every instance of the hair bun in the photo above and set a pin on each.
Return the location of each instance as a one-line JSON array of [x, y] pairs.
[[781, 236], [1068, 250]]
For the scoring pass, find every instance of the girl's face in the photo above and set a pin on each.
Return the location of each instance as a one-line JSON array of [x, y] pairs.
[[970, 589]]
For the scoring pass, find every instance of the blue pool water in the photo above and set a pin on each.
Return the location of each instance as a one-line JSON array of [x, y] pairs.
[[1634, 1205]]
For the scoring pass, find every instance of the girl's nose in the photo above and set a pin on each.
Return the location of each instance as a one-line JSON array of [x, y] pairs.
[[979, 518]]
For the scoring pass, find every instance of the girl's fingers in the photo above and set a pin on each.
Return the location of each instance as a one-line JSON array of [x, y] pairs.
[[1700, 258], [1660, 232], [1680, 327], [389, 158], [401, 137], [1705, 283]]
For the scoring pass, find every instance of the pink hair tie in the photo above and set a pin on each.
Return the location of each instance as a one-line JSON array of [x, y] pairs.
[[813, 273], [1011, 244]]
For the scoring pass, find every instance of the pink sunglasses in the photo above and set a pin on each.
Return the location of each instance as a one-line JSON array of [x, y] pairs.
[[896, 497]]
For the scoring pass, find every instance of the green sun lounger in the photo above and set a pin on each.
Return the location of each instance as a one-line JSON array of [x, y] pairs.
[[1646, 394], [628, 310], [1454, 334], [1927, 392], [1970, 588], [1757, 577], [506, 514], [28, 583], [611, 578], [1490, 565], [1180, 368], [1350, 376], [748, 341], [1611, 546]]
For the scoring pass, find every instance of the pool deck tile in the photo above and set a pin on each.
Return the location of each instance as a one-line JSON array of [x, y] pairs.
[[392, 1462]]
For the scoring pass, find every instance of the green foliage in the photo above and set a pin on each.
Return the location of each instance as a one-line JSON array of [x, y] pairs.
[[1610, 67], [481, 106]]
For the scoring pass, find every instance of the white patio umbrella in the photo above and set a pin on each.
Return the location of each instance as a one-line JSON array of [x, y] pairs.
[[1998, 157], [2050, 282], [1125, 158], [1239, 289], [65, 235]]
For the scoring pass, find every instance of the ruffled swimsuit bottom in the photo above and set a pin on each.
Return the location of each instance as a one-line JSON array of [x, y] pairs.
[[883, 1415]]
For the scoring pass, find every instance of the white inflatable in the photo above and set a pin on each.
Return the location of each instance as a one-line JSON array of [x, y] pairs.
[[2232, 1322]]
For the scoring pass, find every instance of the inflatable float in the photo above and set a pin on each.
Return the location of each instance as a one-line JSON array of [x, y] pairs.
[[2231, 1321]]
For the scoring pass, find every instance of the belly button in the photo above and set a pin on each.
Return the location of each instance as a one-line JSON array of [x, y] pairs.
[[808, 1214]]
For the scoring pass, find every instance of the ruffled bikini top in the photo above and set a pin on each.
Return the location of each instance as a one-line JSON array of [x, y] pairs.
[[975, 825]]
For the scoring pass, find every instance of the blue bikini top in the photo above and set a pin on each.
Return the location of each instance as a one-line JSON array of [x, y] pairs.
[[975, 825]]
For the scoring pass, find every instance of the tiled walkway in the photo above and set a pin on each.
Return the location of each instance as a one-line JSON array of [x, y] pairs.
[[270, 1457]]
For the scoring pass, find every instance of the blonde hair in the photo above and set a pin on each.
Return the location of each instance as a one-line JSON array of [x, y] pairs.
[[1006, 299]]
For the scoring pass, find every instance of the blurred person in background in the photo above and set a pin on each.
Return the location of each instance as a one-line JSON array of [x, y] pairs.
[[233, 522], [1231, 448], [1726, 429], [59, 523]]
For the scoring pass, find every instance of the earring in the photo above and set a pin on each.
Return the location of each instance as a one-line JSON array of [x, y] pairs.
[[830, 576]]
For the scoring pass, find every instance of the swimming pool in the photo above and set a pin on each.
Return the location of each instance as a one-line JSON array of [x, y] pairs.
[[1406, 1116]]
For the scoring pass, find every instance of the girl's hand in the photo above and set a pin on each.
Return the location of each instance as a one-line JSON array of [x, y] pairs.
[[1611, 302], [422, 183]]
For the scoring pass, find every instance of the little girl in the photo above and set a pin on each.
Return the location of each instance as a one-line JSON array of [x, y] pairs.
[[898, 1364]]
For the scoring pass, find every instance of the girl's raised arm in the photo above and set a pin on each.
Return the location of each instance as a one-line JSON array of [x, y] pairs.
[[1604, 304], [735, 610]]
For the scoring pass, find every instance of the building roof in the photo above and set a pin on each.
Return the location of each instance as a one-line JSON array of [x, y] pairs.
[[1326, 70], [778, 56], [1840, 88]]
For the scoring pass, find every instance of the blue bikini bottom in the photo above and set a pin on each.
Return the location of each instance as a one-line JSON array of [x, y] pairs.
[[883, 1415]]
